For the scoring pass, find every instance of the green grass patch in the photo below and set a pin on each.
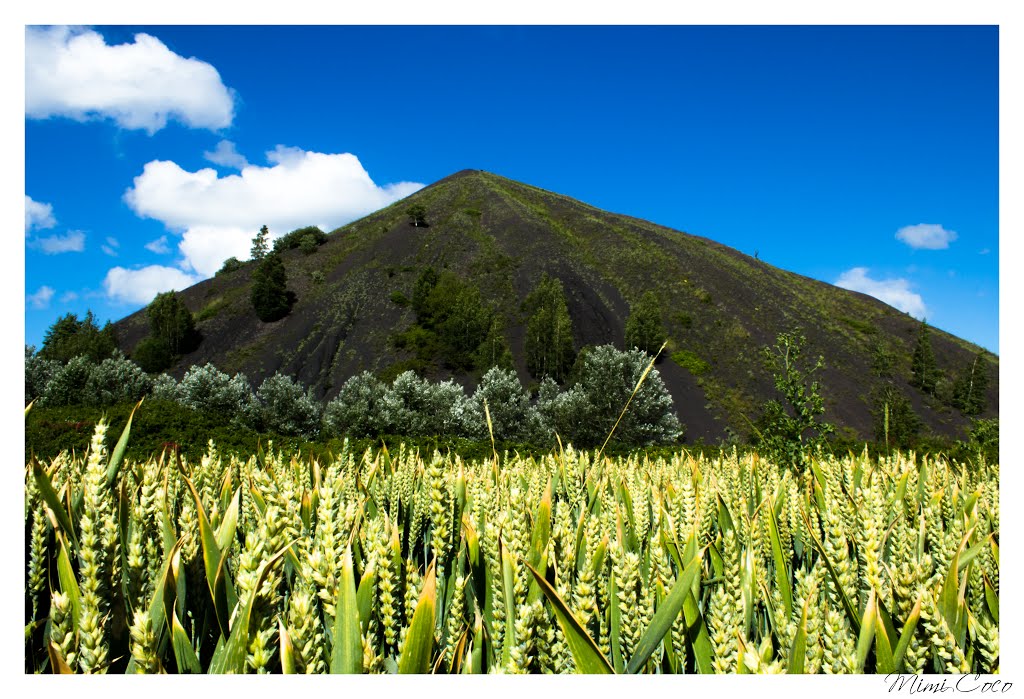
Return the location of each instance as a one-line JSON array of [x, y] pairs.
[[211, 309], [859, 325], [691, 362]]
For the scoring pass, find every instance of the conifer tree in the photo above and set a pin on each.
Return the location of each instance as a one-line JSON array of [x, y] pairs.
[[270, 297], [260, 244], [924, 372]]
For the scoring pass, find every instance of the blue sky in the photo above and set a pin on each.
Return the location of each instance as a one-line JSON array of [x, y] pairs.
[[864, 156]]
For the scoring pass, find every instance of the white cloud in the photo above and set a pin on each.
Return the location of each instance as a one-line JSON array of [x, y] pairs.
[[72, 241], [159, 246], [141, 285], [74, 73], [218, 216], [107, 250], [68, 297], [227, 155], [41, 299], [895, 292], [38, 215], [926, 236]]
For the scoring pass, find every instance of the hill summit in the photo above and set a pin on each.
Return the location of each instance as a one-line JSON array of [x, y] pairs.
[[494, 239]]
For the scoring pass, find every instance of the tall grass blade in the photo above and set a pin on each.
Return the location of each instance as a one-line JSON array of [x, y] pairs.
[[666, 614], [419, 643], [117, 456], [53, 501], [347, 652]]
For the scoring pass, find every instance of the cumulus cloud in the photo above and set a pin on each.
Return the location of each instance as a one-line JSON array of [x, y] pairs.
[[40, 299], [110, 247], [895, 292], [926, 236], [227, 155], [68, 297], [72, 241], [218, 216], [74, 73], [159, 246], [38, 215], [139, 286]]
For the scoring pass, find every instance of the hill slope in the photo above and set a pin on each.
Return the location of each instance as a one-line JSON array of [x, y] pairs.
[[719, 305]]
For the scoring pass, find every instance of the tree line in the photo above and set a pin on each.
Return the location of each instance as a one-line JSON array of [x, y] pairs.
[[366, 406]]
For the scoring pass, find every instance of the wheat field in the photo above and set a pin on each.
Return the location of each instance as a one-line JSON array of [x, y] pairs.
[[386, 562]]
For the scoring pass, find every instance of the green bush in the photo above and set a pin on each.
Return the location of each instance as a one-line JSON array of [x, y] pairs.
[[68, 384], [38, 373], [157, 425], [285, 406], [152, 354], [230, 265], [116, 380], [644, 329], [602, 383]]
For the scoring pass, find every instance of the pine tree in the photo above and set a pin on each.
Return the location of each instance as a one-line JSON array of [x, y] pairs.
[[270, 296], [924, 372], [260, 244], [970, 387], [644, 329]]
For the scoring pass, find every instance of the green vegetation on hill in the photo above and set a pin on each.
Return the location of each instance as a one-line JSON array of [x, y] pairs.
[[549, 333], [356, 307], [454, 326], [270, 297], [644, 329]]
